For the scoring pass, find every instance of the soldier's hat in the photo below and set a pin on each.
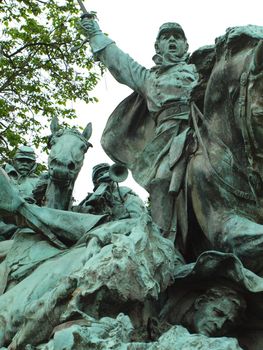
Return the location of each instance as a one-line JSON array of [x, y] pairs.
[[170, 27], [98, 168], [25, 152]]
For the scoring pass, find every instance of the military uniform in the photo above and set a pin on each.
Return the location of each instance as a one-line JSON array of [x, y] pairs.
[[108, 198], [25, 183], [148, 132]]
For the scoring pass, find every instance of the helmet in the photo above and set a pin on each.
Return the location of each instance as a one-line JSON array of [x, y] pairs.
[[170, 27], [25, 152], [99, 170]]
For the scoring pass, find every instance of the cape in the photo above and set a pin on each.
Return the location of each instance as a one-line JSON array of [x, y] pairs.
[[129, 139], [128, 130]]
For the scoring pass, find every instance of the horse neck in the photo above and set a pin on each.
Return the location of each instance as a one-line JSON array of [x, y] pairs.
[[222, 112], [59, 197]]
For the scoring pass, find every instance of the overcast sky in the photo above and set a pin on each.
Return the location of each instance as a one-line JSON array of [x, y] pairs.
[[134, 25]]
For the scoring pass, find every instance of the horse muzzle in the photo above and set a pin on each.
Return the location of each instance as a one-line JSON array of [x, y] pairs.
[[60, 176]]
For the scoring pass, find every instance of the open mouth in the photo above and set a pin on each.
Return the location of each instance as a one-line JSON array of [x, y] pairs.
[[172, 47]]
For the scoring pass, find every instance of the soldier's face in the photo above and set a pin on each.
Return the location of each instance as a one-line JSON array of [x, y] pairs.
[[173, 43], [215, 317], [23, 165]]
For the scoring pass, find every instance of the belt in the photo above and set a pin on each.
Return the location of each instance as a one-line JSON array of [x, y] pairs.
[[172, 111]]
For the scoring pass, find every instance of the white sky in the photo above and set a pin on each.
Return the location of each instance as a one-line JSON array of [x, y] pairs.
[[134, 25]]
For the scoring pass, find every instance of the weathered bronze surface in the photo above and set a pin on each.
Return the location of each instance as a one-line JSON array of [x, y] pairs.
[[184, 273]]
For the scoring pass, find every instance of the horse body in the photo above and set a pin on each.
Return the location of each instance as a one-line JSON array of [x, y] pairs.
[[68, 148], [225, 174]]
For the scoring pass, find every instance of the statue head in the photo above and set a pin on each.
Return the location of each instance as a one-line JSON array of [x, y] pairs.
[[171, 40], [100, 173], [24, 160], [217, 311]]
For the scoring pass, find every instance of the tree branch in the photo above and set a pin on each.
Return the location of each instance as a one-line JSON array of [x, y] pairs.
[[32, 45]]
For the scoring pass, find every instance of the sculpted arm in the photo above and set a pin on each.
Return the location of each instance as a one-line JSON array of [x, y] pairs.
[[123, 68], [133, 203]]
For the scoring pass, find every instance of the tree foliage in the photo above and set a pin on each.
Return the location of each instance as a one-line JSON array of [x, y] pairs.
[[39, 73]]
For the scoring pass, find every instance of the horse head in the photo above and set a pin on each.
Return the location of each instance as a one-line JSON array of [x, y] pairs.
[[67, 151]]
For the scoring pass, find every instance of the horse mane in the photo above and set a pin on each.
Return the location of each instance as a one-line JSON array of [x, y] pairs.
[[204, 60], [234, 40], [238, 38]]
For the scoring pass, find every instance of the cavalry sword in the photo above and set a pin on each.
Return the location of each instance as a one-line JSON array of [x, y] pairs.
[[85, 14]]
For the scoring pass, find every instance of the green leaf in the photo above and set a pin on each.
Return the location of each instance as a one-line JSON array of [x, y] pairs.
[[39, 74]]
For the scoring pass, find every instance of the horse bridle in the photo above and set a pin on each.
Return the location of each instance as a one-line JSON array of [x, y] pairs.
[[237, 192], [254, 179], [61, 132], [252, 173]]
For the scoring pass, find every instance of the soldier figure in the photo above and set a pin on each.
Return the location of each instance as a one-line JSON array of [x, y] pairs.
[[149, 132], [22, 172], [213, 312], [109, 198]]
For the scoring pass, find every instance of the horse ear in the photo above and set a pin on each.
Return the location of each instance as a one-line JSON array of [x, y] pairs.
[[87, 131], [54, 126], [258, 58]]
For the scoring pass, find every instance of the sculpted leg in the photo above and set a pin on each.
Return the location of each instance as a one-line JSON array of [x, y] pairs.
[[244, 238], [229, 224]]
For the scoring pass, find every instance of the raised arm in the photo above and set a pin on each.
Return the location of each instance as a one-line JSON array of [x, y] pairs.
[[124, 69]]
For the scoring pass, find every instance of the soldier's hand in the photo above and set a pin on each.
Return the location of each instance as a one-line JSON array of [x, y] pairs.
[[90, 27]]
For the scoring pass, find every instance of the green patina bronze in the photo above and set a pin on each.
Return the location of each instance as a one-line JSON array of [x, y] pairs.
[[22, 173], [146, 128], [110, 274], [108, 198]]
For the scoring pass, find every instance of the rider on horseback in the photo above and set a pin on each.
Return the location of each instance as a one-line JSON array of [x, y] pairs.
[[148, 130]]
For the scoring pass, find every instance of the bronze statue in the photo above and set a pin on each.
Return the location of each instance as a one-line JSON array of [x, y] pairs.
[[213, 312], [81, 267], [67, 150], [225, 174], [127, 256], [149, 130], [22, 171], [108, 198]]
